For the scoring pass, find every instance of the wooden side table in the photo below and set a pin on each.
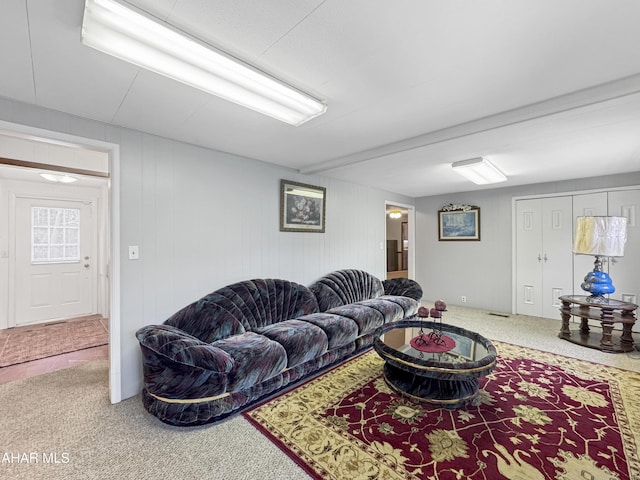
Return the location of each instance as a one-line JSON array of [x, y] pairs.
[[609, 312]]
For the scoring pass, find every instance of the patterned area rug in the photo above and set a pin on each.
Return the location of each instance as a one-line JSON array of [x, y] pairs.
[[25, 344], [538, 416]]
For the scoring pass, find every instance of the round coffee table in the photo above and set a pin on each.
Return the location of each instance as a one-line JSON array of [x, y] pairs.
[[447, 379]]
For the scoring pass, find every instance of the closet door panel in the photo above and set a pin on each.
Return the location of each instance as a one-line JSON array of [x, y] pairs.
[[557, 261], [625, 271], [529, 257]]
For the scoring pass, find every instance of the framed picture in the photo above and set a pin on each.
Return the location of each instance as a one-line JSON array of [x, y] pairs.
[[463, 224], [302, 207]]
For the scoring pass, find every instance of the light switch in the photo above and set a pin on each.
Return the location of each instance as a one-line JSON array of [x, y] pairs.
[[133, 252]]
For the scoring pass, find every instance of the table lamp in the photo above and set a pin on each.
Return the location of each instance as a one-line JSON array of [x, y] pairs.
[[601, 237]]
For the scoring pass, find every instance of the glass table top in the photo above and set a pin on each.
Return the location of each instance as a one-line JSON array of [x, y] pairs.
[[401, 340]]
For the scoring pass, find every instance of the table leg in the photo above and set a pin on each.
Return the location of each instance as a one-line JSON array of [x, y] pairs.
[[565, 313], [626, 337], [607, 329], [584, 325]]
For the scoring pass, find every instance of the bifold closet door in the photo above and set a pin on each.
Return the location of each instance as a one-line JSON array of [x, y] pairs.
[[544, 264], [624, 271]]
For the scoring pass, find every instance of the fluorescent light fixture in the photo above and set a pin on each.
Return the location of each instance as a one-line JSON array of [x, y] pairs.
[[136, 37], [52, 177], [479, 170]]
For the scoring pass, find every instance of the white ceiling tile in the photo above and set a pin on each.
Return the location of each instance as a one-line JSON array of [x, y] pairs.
[[394, 74], [16, 81]]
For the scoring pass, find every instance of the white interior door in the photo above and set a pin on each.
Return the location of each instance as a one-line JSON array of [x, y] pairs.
[[529, 257], [543, 255], [56, 249], [557, 259]]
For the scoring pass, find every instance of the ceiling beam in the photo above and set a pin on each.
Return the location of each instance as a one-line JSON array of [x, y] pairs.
[[571, 101]]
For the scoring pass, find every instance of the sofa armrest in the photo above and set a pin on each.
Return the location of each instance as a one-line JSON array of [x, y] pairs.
[[177, 365]]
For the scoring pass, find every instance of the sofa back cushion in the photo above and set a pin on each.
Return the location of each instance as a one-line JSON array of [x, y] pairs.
[[404, 287], [343, 287], [244, 306]]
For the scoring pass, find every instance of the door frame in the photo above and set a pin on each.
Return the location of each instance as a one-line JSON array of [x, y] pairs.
[[112, 217], [411, 235], [13, 268]]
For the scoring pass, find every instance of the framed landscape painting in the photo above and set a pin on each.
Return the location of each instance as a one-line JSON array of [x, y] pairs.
[[459, 224], [302, 207]]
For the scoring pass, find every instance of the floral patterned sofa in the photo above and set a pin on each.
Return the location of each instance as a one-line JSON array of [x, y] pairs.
[[245, 341]]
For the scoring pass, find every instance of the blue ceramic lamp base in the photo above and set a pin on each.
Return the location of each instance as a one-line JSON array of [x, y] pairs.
[[597, 282]]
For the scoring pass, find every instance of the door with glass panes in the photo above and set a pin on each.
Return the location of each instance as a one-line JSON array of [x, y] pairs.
[[55, 248]]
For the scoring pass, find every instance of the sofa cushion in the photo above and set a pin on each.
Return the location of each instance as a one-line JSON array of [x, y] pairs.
[[302, 341], [262, 302], [391, 311], [343, 287], [404, 287], [255, 358], [365, 317], [340, 330], [211, 318], [409, 305]]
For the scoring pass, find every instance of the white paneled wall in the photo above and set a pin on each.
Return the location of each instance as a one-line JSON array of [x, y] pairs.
[[203, 219]]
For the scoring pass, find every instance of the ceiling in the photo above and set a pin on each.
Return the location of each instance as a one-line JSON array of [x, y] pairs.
[[547, 90]]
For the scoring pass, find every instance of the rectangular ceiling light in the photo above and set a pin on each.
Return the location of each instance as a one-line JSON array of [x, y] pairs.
[[479, 170], [135, 37]]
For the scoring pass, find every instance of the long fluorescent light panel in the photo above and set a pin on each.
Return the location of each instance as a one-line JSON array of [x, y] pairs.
[[131, 35]]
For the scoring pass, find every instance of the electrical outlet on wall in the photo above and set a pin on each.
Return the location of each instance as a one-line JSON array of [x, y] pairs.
[[464, 299], [134, 253]]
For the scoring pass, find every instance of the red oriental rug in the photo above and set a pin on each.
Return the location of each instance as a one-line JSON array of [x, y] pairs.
[[538, 416]]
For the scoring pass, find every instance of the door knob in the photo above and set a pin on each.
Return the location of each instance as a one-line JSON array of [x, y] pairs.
[[86, 265]]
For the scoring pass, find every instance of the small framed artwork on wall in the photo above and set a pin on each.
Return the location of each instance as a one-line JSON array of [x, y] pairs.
[[302, 207], [459, 222]]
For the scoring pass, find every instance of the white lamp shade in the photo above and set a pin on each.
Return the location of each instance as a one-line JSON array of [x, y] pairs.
[[603, 236]]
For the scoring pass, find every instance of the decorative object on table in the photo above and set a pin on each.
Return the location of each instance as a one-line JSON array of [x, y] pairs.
[[421, 341], [302, 207], [433, 341], [537, 416], [601, 237], [436, 313], [459, 222]]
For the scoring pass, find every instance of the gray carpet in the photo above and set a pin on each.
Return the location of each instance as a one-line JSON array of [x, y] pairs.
[[67, 413]]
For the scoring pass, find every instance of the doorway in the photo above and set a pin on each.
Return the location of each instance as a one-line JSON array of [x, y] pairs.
[[108, 276], [55, 274], [399, 248]]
